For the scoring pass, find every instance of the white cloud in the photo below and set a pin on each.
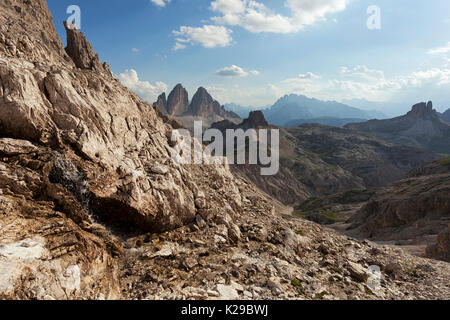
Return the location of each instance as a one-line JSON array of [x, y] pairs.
[[147, 91], [256, 17], [440, 50], [361, 82], [228, 6], [160, 3], [179, 46], [356, 82], [308, 76], [135, 50], [209, 36], [235, 71]]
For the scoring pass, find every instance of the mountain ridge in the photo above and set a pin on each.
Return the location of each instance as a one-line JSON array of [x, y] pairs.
[[421, 127], [301, 107]]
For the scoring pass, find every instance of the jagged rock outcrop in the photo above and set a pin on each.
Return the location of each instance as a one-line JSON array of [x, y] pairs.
[[178, 101], [161, 103], [420, 128], [81, 51], [423, 111], [255, 120]]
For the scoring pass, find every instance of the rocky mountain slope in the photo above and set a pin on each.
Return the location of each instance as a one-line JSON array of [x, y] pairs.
[[92, 207], [413, 212], [202, 107], [317, 160], [420, 128], [445, 116]]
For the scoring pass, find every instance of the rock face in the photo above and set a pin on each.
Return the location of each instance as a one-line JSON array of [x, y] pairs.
[[104, 123], [115, 145], [81, 51], [377, 162], [420, 128], [410, 210], [255, 119], [441, 249], [161, 103], [178, 101], [49, 246]]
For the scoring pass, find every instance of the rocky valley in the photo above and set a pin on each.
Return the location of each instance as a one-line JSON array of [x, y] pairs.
[[92, 205]]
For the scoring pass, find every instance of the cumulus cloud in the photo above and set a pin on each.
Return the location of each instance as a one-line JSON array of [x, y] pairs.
[[235, 71], [135, 50], [256, 17], [208, 36], [361, 82], [144, 89], [160, 3], [440, 50]]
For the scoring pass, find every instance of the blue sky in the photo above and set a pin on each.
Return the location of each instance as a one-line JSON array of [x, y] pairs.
[[252, 52]]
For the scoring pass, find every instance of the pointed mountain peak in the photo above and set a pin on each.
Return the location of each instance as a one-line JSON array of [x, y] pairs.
[[178, 101], [161, 103], [203, 94]]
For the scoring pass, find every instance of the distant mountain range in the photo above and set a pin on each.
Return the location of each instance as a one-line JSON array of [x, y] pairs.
[[291, 107], [420, 128], [327, 121], [302, 109]]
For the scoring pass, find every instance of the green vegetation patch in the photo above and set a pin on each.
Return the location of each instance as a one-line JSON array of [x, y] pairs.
[[444, 162]]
